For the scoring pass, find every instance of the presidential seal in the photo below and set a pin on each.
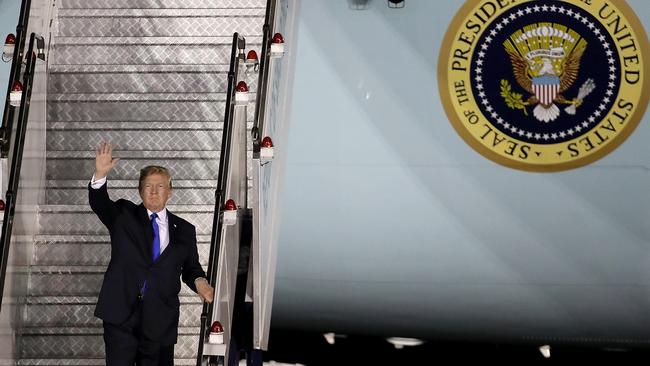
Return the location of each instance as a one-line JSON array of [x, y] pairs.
[[544, 85]]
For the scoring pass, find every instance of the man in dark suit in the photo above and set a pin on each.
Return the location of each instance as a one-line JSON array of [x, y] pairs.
[[151, 249]]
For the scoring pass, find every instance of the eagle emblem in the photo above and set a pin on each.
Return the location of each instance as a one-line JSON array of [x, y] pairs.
[[545, 61]]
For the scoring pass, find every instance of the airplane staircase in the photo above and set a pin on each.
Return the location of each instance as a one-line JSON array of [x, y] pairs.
[[150, 77]]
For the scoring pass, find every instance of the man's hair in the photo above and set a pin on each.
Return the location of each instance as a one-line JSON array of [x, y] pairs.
[[153, 169]]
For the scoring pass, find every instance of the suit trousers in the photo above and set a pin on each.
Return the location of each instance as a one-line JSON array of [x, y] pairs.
[[126, 345]]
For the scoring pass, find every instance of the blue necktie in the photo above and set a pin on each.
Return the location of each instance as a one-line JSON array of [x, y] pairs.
[[156, 245], [156, 236]]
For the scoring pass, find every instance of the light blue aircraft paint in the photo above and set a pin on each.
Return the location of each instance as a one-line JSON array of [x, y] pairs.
[[392, 225]]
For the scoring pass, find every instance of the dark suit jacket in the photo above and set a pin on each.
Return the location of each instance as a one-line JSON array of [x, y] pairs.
[[131, 264]]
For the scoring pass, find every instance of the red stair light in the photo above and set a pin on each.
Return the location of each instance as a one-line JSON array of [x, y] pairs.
[[2, 205], [251, 56], [230, 205], [16, 94], [216, 327], [11, 39], [216, 333], [241, 87], [17, 87], [277, 46], [266, 142], [10, 45], [277, 38]]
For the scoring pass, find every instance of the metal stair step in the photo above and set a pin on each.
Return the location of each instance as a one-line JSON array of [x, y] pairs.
[[120, 51], [71, 281], [88, 250], [135, 139], [141, 83], [80, 220], [85, 362], [160, 53], [78, 311], [87, 342], [179, 82], [155, 4], [181, 164], [144, 111], [138, 125], [171, 82], [125, 22], [74, 192], [159, 22], [65, 362], [138, 97], [137, 136], [252, 42], [221, 68], [136, 83], [78, 195], [139, 13]]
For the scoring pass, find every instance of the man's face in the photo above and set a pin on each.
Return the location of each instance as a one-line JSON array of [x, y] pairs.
[[155, 192]]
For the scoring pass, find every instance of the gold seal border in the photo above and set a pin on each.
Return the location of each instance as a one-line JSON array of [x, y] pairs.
[[444, 89]]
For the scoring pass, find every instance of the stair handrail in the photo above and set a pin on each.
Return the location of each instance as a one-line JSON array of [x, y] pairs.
[[263, 78], [236, 54], [14, 74], [17, 159]]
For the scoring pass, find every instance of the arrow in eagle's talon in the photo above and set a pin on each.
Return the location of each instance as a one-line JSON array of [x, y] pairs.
[[586, 89]]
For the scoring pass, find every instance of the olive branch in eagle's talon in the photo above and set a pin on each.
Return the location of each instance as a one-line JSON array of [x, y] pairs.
[[513, 100]]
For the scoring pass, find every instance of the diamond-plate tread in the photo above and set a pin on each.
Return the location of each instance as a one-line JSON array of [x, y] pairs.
[[186, 12], [139, 54], [76, 250], [157, 23], [143, 69], [181, 164], [71, 281], [116, 183], [139, 97], [74, 192], [211, 41], [77, 195], [178, 209], [167, 82], [252, 42], [88, 344], [133, 140], [65, 362], [79, 313], [80, 220], [144, 111], [86, 362], [171, 82], [63, 300], [155, 4], [129, 167], [139, 125]]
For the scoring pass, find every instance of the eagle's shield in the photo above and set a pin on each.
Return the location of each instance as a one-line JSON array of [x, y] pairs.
[[546, 88]]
